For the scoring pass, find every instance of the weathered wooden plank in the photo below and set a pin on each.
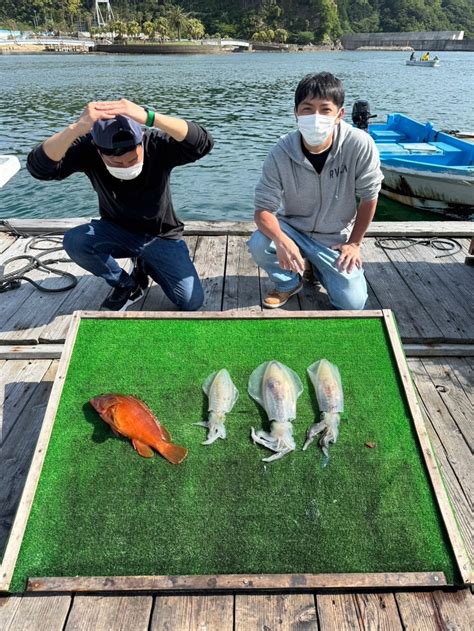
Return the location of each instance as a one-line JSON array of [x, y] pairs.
[[193, 613], [242, 582], [17, 381], [285, 612], [460, 502], [451, 270], [155, 299], [457, 450], [6, 240], [31, 226], [18, 448], [456, 609], [414, 321], [241, 285], [454, 534], [376, 228], [209, 261], [438, 350], [8, 608], [89, 293], [437, 290], [21, 518], [418, 611], [436, 298], [15, 301], [266, 314], [378, 611], [33, 612], [338, 612], [41, 307], [464, 371], [109, 612], [37, 351], [454, 397]]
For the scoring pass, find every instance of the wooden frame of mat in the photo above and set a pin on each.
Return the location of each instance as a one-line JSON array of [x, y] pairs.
[[234, 582]]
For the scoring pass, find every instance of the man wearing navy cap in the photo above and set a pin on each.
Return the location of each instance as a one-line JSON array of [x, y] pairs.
[[130, 171]]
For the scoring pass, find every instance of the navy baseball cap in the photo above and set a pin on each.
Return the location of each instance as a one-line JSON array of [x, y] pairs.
[[116, 135]]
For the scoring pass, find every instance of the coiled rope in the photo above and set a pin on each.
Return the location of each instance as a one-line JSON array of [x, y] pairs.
[[448, 246], [12, 280]]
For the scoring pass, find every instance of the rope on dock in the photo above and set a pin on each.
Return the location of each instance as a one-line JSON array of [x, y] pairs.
[[12, 280], [446, 245]]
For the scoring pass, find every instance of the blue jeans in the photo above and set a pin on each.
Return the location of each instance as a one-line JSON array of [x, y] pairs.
[[96, 245], [345, 291]]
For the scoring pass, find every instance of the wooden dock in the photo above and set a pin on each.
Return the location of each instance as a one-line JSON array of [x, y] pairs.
[[432, 299]]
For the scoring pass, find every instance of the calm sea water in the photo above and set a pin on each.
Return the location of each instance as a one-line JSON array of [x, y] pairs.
[[245, 100]]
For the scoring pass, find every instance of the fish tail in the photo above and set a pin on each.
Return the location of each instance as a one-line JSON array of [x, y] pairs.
[[173, 453]]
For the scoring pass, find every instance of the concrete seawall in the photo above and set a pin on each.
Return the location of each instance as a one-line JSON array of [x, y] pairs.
[[158, 49], [441, 41]]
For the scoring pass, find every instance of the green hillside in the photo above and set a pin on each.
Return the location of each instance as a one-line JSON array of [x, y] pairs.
[[300, 21]]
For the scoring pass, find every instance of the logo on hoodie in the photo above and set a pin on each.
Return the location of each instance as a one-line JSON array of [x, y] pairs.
[[337, 171]]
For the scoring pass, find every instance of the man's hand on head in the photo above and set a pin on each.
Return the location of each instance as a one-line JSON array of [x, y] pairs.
[[90, 115], [123, 107]]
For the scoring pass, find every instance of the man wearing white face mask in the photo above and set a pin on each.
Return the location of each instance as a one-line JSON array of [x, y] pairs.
[[305, 200], [130, 171]]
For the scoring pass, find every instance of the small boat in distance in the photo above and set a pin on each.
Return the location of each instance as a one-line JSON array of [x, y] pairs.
[[425, 168], [431, 63]]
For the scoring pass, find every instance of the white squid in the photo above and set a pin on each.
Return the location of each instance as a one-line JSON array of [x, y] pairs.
[[276, 388], [222, 395], [326, 380]]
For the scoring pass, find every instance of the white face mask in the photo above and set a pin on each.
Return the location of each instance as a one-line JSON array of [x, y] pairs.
[[316, 128], [125, 173]]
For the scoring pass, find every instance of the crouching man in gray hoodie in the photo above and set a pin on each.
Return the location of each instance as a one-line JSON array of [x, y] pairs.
[[306, 199]]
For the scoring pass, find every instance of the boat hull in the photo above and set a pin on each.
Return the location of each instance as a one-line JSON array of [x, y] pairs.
[[447, 194], [429, 64]]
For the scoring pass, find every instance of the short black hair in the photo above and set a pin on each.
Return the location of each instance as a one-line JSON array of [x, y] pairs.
[[320, 85]]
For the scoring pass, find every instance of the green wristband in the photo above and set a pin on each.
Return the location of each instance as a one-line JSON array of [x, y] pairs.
[[150, 119]]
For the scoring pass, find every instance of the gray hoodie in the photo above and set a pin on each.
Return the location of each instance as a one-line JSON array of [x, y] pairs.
[[322, 206]]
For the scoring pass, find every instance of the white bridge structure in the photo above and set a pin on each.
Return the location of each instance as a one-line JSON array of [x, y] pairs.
[[232, 43]]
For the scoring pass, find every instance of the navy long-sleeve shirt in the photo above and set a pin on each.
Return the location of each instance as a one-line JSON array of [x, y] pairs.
[[141, 205]]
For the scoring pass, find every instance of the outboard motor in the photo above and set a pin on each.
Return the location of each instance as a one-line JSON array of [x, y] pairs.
[[361, 114]]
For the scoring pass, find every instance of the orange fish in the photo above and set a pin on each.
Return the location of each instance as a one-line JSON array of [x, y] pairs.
[[130, 417]]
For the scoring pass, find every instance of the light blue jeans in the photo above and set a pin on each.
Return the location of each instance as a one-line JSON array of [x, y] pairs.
[[96, 245], [345, 291]]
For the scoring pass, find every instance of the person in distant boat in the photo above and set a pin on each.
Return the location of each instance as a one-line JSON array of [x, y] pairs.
[[413, 56], [305, 201], [130, 170], [425, 57]]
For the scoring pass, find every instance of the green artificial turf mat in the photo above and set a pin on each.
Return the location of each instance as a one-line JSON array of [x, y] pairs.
[[101, 509]]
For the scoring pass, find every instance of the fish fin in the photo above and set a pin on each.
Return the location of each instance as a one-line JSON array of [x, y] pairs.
[[164, 432], [208, 382], [115, 431], [143, 450], [255, 383], [173, 453]]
